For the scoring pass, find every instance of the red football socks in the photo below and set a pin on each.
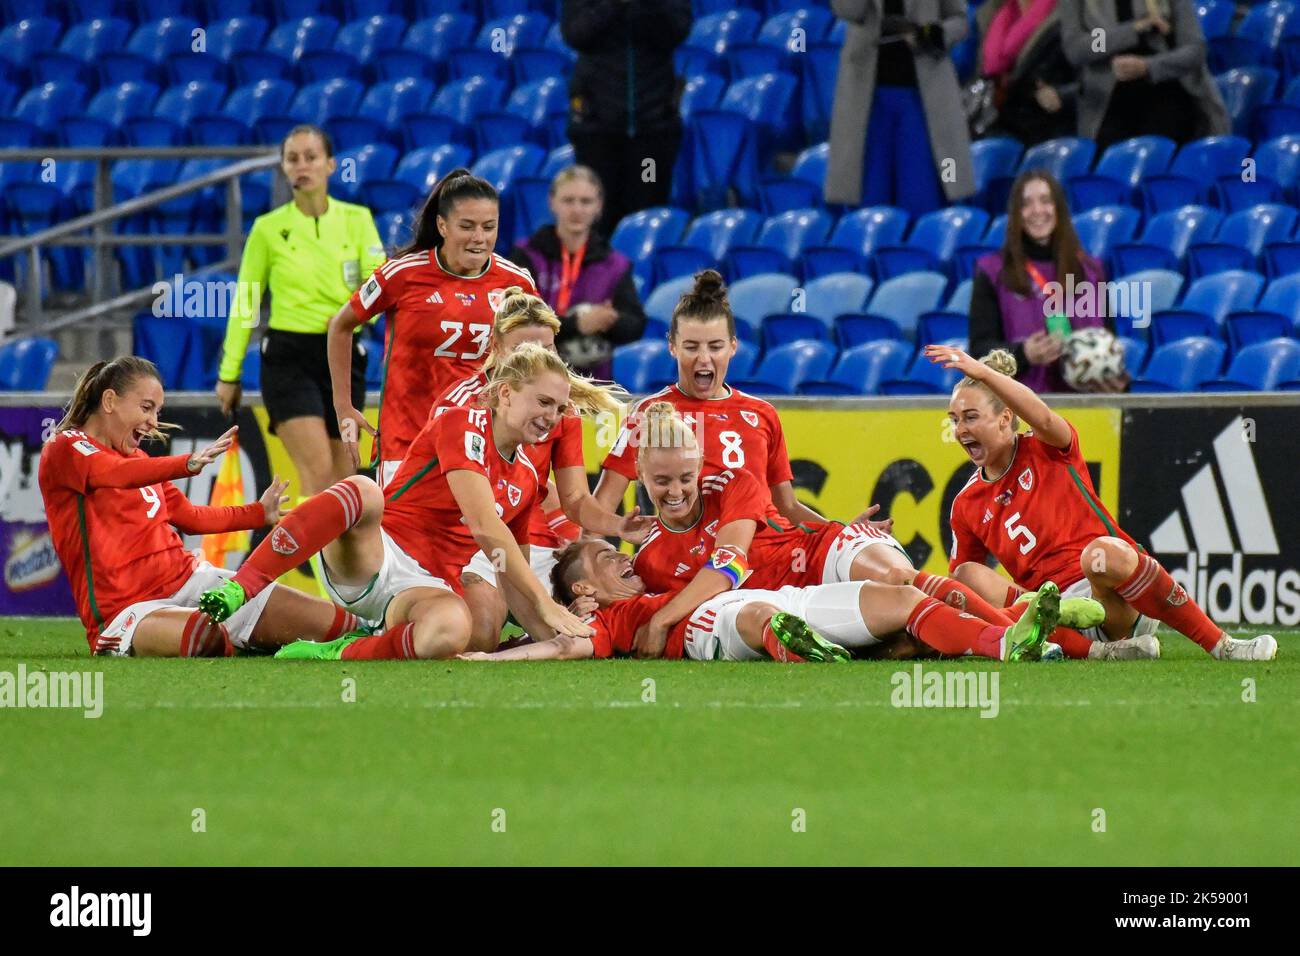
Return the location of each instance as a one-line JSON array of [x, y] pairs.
[[1153, 592], [959, 596], [394, 644], [344, 621], [203, 637], [950, 631], [778, 651], [301, 533]]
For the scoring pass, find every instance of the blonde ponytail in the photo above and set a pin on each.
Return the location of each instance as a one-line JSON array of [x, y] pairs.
[[662, 426], [530, 360], [1002, 362]]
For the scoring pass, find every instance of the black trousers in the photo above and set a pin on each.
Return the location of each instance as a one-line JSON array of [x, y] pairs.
[[1143, 108], [620, 162]]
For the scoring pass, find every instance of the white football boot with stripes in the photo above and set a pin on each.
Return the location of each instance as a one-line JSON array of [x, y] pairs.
[[1262, 648]]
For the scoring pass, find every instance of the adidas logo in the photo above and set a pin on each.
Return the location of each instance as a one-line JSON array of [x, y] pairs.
[[1206, 524], [436, 298], [681, 569]]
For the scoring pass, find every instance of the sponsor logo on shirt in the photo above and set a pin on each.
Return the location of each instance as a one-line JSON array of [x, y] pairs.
[[436, 298], [988, 516], [1004, 498], [369, 292], [85, 447], [1026, 479], [750, 417], [282, 541], [474, 447], [681, 569], [467, 298]]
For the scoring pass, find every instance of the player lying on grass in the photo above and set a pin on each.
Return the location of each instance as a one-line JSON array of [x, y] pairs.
[[526, 318], [1031, 505], [464, 485], [819, 623], [113, 511]]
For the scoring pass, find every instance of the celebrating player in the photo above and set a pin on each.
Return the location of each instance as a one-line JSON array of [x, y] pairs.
[[1031, 504], [527, 318], [465, 485], [737, 431], [112, 511], [789, 624], [439, 293]]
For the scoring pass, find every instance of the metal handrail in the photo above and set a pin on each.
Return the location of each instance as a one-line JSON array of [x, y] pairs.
[[65, 234]]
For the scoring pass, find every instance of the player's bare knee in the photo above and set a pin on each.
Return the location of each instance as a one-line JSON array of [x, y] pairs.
[[967, 573], [372, 499], [1108, 559]]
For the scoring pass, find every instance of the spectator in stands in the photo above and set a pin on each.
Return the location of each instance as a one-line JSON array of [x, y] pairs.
[[1028, 296], [311, 254], [624, 96], [587, 282], [1143, 70], [1037, 88], [898, 130]]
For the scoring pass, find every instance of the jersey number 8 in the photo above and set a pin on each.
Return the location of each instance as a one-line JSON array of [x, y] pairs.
[[733, 456]]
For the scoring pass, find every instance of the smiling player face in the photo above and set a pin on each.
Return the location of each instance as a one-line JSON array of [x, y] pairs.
[[535, 408], [469, 234], [609, 573], [671, 477], [703, 351], [986, 437], [128, 418]]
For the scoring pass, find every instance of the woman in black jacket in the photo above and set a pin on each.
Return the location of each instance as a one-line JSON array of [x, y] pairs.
[[624, 96]]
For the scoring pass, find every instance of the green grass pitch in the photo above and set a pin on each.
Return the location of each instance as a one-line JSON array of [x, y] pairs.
[[565, 763]]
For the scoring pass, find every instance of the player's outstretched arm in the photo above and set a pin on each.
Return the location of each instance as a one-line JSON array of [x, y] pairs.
[[339, 349], [100, 470], [563, 648], [791, 508], [1047, 425], [585, 510], [190, 518]]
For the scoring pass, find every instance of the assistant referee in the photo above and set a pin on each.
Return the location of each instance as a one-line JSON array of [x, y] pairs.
[[311, 254]]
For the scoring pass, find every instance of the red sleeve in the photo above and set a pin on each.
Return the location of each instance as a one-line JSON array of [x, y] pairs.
[[460, 441], [965, 545], [378, 293], [567, 450], [1070, 452], [742, 497], [81, 465], [778, 457], [205, 519], [602, 642]]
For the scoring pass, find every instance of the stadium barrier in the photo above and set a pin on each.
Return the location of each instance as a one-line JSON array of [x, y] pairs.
[[1205, 482]]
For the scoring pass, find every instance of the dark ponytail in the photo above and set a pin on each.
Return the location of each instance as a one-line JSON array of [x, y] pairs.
[[708, 300], [119, 375], [456, 185]]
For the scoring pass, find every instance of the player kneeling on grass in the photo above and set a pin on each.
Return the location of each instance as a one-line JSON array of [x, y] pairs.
[[112, 511], [464, 485], [820, 623], [1031, 504]]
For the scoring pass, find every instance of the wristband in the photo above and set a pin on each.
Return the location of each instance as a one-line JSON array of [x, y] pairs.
[[732, 564]]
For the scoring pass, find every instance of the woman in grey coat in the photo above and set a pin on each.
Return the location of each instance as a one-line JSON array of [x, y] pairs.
[[1144, 72], [898, 131]]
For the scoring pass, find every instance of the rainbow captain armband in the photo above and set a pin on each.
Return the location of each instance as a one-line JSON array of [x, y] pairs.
[[732, 563]]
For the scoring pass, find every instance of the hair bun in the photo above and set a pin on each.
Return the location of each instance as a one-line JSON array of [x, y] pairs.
[[709, 286], [1000, 360]]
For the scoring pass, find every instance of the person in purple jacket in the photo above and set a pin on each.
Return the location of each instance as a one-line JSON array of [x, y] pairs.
[[587, 282], [1031, 294]]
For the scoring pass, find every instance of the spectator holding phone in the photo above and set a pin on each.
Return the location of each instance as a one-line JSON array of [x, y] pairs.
[[1019, 299]]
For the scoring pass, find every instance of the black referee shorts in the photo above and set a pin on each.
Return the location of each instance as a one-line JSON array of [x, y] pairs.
[[296, 378]]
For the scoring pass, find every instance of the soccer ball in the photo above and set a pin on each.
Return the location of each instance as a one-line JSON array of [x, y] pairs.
[[1092, 356]]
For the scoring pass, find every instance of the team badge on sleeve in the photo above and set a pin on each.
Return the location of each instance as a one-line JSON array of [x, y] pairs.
[[85, 447], [369, 292], [751, 418], [514, 494], [474, 448], [1026, 479]]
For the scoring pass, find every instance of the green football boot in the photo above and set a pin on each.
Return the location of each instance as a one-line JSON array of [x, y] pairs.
[[1024, 640], [318, 650], [1079, 613], [220, 603], [795, 634]]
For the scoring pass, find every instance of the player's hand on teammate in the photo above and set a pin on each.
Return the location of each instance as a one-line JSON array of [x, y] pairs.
[[886, 525], [229, 394], [584, 606], [274, 499], [201, 459], [563, 621], [351, 424], [635, 526], [651, 639]]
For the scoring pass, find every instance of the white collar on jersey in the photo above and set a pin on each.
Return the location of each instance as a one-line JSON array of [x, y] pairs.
[[437, 257]]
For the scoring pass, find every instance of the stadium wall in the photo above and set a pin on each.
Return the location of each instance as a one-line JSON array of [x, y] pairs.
[[1207, 483]]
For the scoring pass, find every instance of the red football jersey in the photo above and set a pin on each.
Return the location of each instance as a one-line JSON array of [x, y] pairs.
[[617, 624], [738, 432], [1036, 519], [439, 329], [111, 518], [562, 448], [420, 511]]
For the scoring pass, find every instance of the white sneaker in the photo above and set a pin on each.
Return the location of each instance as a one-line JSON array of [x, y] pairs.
[[1262, 648], [1144, 647]]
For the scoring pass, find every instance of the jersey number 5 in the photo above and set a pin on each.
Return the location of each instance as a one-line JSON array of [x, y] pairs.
[[152, 498], [480, 336], [733, 456], [1020, 531]]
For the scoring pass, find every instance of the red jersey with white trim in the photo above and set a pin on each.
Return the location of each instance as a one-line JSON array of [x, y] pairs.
[[439, 329], [738, 432], [1036, 519], [617, 624], [111, 518], [421, 513], [561, 448]]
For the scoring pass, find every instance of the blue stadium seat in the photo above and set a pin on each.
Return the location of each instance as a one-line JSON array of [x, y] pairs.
[[175, 110], [702, 91], [758, 296], [784, 368], [959, 301], [172, 345], [1178, 228], [436, 36], [1252, 228], [888, 262], [557, 159], [1132, 160], [1279, 160], [1181, 366], [1243, 90], [1105, 226], [719, 152], [1167, 192], [1247, 328], [707, 241], [20, 42], [531, 64], [502, 166], [942, 326], [243, 108], [1215, 17], [1259, 367], [852, 330], [1135, 354], [395, 229], [864, 230], [753, 59], [1281, 258], [25, 365], [940, 232], [903, 299], [1233, 194], [364, 38], [861, 369], [997, 231], [744, 361], [464, 100], [1274, 119], [1282, 297], [292, 38], [637, 364], [671, 262], [781, 328], [320, 102], [745, 261], [715, 32], [41, 110], [1217, 295], [391, 101], [111, 107], [995, 159], [1207, 258], [639, 234], [768, 101], [1267, 22], [792, 232], [661, 301], [1162, 285], [361, 165], [778, 30], [833, 295], [81, 47], [249, 66], [465, 62], [536, 102], [237, 34], [505, 34], [923, 378], [1205, 160], [1089, 192], [1063, 157], [778, 194], [819, 67], [317, 65], [149, 48], [821, 261], [33, 206], [810, 165], [532, 202]]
